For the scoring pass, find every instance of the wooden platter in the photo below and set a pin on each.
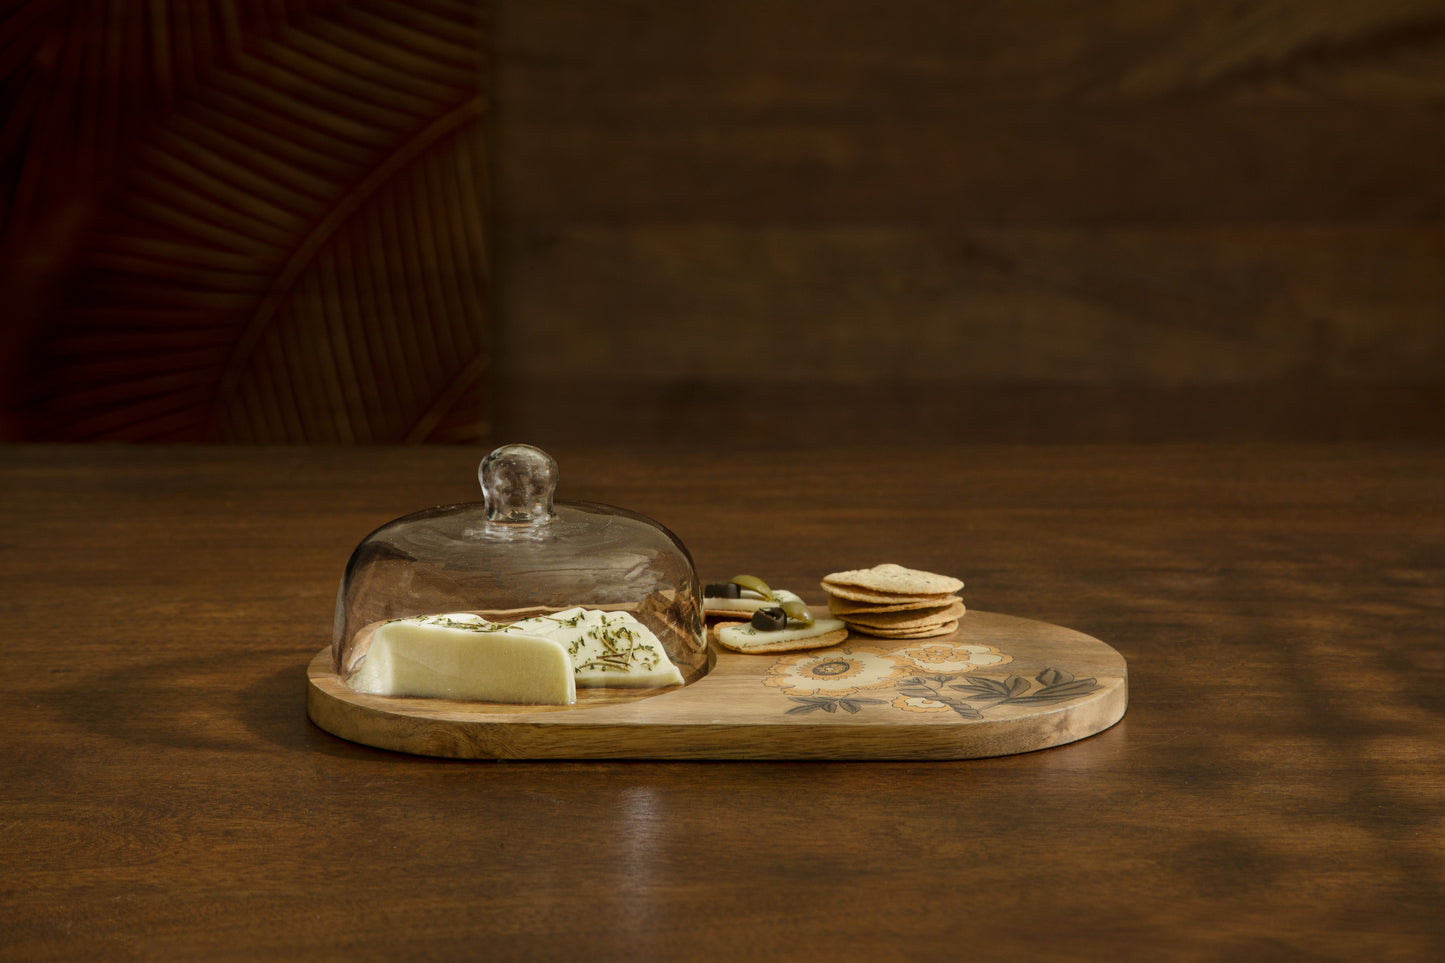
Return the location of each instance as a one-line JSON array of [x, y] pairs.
[[996, 686]]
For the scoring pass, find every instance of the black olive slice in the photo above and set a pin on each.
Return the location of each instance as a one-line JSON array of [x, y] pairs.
[[722, 590], [769, 619]]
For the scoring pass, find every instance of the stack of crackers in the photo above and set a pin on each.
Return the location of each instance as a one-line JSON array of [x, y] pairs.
[[893, 602]]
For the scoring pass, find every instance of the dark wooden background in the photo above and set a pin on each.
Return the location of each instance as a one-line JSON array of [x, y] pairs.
[[727, 221]]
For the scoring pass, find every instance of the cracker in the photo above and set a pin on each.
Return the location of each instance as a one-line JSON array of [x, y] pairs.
[[854, 594], [744, 638], [907, 626], [794, 645], [843, 607], [892, 579], [908, 618], [926, 632]]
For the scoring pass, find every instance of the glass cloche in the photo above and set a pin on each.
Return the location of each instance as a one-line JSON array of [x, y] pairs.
[[515, 556]]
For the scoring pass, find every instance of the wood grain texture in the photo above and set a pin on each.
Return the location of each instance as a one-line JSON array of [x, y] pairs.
[[248, 222], [1275, 790], [1064, 207]]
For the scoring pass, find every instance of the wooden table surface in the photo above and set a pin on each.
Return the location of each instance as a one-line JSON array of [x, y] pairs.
[[1276, 790]]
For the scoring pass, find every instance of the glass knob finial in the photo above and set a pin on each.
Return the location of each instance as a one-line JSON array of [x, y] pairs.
[[517, 484]]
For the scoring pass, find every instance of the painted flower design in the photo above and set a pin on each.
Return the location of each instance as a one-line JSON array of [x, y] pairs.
[[938, 657], [933, 677], [834, 672], [917, 704]]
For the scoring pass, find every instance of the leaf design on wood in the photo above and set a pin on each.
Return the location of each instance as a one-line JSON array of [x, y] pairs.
[[295, 252], [849, 704], [1055, 685]]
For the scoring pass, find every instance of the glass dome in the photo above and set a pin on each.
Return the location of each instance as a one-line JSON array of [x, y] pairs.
[[516, 555]]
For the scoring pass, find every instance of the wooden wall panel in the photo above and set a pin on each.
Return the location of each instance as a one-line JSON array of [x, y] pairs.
[[1066, 304], [245, 221], [1127, 219], [1140, 219]]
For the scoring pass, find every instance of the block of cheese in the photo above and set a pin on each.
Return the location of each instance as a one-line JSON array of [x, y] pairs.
[[609, 649], [462, 656], [537, 661]]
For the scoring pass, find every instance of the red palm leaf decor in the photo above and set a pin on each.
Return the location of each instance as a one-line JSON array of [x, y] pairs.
[[247, 221]]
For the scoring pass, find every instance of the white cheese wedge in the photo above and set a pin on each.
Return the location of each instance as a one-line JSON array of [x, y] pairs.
[[610, 649], [462, 656], [536, 661], [748, 602]]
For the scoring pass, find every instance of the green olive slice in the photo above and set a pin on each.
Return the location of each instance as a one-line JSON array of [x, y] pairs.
[[797, 610], [754, 583]]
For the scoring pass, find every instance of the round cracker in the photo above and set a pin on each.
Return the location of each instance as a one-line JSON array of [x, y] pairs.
[[901, 625], [736, 636], [793, 629], [907, 619], [840, 606], [855, 594], [927, 632], [893, 579], [792, 645]]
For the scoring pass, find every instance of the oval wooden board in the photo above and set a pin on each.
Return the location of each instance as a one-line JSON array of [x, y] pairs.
[[998, 685]]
